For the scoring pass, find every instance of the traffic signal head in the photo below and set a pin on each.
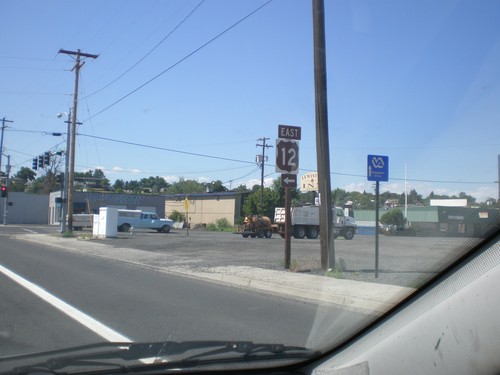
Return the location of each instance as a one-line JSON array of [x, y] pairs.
[[40, 161], [3, 192], [34, 166], [46, 159]]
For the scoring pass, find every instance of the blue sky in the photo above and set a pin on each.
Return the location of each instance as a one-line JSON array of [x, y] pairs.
[[417, 81]]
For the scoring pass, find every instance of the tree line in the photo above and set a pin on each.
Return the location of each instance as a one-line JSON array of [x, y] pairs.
[[94, 180]]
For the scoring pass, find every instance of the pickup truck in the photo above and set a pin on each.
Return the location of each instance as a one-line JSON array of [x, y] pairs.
[[136, 219]]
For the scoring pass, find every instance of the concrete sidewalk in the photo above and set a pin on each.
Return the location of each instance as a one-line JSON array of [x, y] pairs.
[[356, 295]]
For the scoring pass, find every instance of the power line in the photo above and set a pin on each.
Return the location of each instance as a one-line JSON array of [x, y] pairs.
[[246, 161], [270, 165], [165, 149], [148, 53], [181, 60]]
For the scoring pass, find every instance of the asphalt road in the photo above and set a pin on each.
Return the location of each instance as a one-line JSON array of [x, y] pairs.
[[143, 305]]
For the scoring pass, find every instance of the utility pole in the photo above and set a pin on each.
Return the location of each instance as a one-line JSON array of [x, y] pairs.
[[322, 143], [5, 202], [262, 160], [1, 140], [71, 170], [64, 194], [498, 180]]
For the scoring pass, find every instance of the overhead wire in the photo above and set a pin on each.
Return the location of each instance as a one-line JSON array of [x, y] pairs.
[[149, 52], [269, 165], [181, 60], [166, 149]]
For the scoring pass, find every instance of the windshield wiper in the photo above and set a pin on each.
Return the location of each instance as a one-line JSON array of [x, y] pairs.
[[157, 355]]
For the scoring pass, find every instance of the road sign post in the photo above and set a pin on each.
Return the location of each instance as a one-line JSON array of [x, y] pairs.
[[377, 170], [287, 163], [186, 208]]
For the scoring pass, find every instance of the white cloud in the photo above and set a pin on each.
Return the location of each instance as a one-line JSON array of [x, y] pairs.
[[268, 182], [171, 179]]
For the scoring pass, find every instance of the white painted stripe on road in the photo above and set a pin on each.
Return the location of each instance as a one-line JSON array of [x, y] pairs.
[[82, 318]]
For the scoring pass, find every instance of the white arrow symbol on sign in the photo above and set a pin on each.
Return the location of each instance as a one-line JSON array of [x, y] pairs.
[[287, 180]]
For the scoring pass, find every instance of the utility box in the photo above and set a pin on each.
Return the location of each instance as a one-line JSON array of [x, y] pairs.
[[95, 225], [107, 223]]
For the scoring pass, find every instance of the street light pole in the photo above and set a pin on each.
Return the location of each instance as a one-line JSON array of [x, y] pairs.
[[64, 194], [5, 202]]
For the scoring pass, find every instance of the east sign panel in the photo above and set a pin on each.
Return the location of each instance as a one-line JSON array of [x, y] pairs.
[[287, 149]]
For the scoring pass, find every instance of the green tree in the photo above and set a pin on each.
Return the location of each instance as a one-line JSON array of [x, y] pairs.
[[274, 196], [21, 179], [470, 199], [415, 198], [132, 187], [186, 187], [44, 184], [394, 217], [177, 216], [154, 184], [119, 186], [242, 187], [362, 201], [218, 186], [340, 196], [91, 180]]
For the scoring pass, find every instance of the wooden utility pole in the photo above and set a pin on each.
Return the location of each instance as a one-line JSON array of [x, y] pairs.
[[71, 169], [322, 142], [262, 160]]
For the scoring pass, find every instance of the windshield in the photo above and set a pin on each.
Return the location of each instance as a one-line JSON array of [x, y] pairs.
[[308, 194]]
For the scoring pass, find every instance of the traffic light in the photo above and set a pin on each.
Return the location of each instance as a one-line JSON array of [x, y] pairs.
[[3, 193], [34, 166], [40, 161], [46, 159]]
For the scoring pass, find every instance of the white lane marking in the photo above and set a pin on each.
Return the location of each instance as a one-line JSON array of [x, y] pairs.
[[30, 231], [84, 319]]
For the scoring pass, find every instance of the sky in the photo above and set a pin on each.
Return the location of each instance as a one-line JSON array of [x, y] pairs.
[[186, 88]]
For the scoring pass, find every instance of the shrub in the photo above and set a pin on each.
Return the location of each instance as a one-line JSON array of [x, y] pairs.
[[220, 225], [177, 217]]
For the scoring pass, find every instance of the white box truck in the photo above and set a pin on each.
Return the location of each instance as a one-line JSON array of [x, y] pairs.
[[305, 222]]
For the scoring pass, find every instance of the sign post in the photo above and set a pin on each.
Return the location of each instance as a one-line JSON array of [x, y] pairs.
[[377, 170], [186, 208], [287, 163]]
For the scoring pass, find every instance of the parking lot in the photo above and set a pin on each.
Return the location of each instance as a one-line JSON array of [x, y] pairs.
[[405, 261]]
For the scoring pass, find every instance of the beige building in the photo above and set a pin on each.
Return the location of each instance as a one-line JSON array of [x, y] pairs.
[[206, 208]]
